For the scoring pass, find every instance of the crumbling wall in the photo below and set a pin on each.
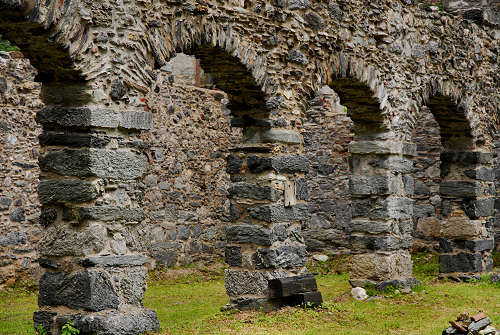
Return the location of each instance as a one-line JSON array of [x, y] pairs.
[[187, 185], [19, 206]]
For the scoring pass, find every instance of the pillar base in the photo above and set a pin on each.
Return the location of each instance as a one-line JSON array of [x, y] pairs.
[[133, 322], [382, 285]]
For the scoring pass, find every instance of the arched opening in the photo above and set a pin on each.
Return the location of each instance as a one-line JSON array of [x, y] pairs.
[[360, 185], [466, 194], [87, 151], [259, 216]]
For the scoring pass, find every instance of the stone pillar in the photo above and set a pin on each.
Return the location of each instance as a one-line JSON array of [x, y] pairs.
[[268, 207], [381, 188], [468, 203], [93, 274]]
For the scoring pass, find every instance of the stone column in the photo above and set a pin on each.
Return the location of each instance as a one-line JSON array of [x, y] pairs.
[[268, 207], [93, 274], [468, 203], [381, 188]]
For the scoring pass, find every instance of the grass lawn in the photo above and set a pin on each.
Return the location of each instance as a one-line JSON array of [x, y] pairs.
[[188, 301]]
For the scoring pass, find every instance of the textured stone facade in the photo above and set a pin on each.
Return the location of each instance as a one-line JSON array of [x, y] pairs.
[[19, 172], [387, 62]]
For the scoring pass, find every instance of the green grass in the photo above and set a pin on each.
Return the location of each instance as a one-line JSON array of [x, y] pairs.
[[188, 301]]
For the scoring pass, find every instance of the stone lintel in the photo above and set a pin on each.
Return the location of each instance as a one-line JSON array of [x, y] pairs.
[[383, 148]]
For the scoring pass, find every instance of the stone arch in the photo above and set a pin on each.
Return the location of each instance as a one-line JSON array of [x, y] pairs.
[[464, 206], [378, 219], [263, 236], [89, 271]]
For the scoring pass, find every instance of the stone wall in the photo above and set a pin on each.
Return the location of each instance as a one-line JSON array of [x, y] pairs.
[[427, 177], [187, 184], [19, 206], [327, 131]]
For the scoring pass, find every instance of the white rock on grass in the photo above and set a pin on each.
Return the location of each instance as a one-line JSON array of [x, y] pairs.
[[320, 258], [359, 293]]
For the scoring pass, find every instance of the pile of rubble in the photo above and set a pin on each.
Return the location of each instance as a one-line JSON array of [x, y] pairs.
[[478, 324]]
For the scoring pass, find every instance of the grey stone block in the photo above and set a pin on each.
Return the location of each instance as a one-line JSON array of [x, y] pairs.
[[5, 203], [108, 214], [302, 189], [278, 213], [290, 163], [383, 243], [45, 319], [114, 261], [136, 120], [88, 290], [166, 258], [469, 157], [475, 327], [234, 164], [61, 191], [131, 322], [480, 208], [123, 165], [78, 117], [248, 234], [244, 282], [252, 135], [371, 226], [253, 191], [480, 245], [58, 240], [286, 256], [369, 185], [13, 238], [298, 4], [233, 256], [297, 56], [462, 262], [17, 215], [258, 164], [72, 140], [460, 189]]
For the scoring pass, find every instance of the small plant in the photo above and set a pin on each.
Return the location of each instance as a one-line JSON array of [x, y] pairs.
[[69, 329], [40, 330], [6, 46]]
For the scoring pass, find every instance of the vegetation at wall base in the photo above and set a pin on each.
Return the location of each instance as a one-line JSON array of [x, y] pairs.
[[6, 46], [188, 301]]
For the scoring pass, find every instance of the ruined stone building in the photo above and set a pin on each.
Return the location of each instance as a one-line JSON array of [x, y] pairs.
[[355, 127]]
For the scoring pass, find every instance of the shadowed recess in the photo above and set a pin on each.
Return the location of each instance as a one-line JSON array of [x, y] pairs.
[[362, 107], [232, 77], [51, 60], [63, 85], [454, 127]]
